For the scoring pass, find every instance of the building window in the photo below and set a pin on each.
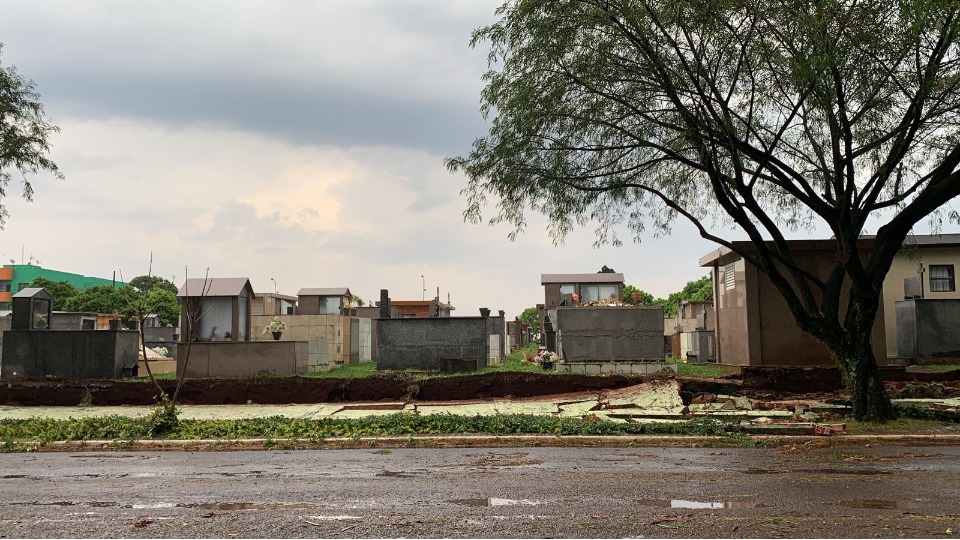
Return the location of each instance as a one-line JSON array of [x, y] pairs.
[[941, 278], [567, 289], [594, 293]]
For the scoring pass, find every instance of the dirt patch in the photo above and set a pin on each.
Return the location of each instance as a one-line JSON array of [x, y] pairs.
[[392, 387], [759, 382]]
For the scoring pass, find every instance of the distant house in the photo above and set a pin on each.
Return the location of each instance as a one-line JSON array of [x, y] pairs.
[[224, 308], [589, 287], [274, 304], [322, 301], [421, 309], [755, 327]]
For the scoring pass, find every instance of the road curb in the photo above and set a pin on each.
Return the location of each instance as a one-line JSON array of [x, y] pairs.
[[492, 441]]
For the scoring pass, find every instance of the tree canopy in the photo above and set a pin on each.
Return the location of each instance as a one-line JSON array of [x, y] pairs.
[[61, 291], [700, 290], [102, 299], [773, 115], [143, 284], [24, 134], [164, 304], [531, 316]]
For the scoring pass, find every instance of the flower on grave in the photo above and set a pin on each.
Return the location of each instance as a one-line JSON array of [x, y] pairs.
[[276, 325], [546, 357]]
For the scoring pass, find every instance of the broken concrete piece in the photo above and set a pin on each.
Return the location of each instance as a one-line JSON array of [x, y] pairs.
[[662, 397]]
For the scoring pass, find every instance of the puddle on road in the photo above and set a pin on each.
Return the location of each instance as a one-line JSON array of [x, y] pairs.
[[111, 456], [251, 506], [878, 504], [708, 505], [493, 501], [856, 472], [394, 474]]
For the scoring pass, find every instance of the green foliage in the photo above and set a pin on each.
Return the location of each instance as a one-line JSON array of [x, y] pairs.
[[161, 424], [165, 304], [103, 299], [700, 290], [24, 134], [61, 291], [709, 371], [917, 412], [347, 371], [163, 418], [606, 270], [145, 284], [514, 360], [531, 317], [636, 297]]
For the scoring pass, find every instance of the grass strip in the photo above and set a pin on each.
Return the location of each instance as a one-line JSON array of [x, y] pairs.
[[400, 424]]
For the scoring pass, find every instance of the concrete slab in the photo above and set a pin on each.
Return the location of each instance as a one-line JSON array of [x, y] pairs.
[[658, 398], [475, 409], [540, 408], [952, 402], [577, 409]]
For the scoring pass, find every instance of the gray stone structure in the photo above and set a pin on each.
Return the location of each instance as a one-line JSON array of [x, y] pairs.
[[243, 358], [73, 320], [32, 350], [605, 334], [927, 328], [434, 344], [374, 313], [79, 354]]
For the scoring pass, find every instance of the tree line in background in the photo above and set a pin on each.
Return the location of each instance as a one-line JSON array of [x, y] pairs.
[[159, 295], [700, 290]]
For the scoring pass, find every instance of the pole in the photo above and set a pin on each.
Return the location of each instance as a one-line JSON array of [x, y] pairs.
[[424, 280]]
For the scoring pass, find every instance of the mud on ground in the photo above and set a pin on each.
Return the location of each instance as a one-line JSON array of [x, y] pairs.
[[394, 386], [281, 390]]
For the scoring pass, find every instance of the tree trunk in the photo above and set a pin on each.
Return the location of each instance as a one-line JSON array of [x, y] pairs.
[[854, 357], [862, 377]]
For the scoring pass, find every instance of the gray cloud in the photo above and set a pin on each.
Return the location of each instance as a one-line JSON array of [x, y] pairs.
[[345, 74]]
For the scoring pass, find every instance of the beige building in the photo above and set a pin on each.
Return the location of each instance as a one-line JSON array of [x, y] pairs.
[[932, 259], [755, 327]]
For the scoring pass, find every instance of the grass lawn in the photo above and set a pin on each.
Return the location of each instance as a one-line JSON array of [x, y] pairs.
[[939, 367]]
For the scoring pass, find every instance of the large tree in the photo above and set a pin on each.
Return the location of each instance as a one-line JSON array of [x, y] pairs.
[[61, 291], [103, 299], [772, 114], [531, 316], [144, 284], [24, 134]]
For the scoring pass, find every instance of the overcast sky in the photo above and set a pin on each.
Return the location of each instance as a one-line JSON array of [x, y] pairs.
[[301, 141]]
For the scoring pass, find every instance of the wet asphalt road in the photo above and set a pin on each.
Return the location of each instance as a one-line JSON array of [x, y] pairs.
[[808, 490]]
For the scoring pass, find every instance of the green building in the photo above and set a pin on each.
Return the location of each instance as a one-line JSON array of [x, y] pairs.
[[14, 277]]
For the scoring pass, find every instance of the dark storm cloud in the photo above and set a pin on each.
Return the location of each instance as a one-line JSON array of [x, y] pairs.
[[338, 116], [338, 73]]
